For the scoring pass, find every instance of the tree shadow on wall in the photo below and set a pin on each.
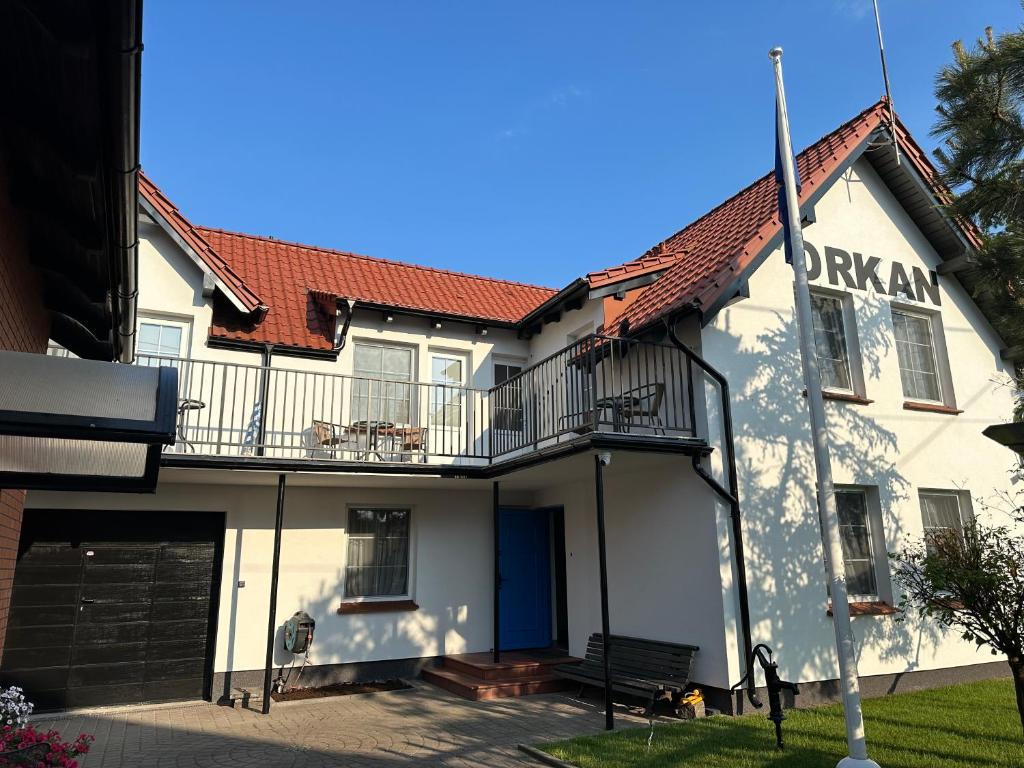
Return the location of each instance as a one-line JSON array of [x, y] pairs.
[[786, 573]]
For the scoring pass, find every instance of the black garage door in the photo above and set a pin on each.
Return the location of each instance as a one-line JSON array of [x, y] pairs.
[[113, 607]]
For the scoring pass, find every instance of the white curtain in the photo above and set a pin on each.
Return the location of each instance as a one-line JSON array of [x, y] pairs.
[[378, 553]]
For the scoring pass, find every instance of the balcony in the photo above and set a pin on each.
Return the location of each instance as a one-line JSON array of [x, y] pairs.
[[598, 385]]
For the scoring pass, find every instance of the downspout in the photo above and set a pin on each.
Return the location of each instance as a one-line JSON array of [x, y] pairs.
[[125, 56], [267, 353], [731, 498], [349, 306], [275, 571]]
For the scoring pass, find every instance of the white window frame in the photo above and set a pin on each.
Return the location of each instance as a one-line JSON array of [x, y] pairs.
[[872, 522], [410, 582], [412, 381], [184, 324], [465, 403], [851, 340], [940, 358]]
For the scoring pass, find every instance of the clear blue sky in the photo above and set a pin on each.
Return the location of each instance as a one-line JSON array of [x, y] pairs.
[[529, 140]]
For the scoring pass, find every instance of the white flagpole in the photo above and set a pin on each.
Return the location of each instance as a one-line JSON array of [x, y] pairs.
[[885, 78], [856, 744]]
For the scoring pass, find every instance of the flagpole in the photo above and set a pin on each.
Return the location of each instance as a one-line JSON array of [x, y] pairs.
[[856, 743]]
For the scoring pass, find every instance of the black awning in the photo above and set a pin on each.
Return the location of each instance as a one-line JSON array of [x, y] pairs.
[[70, 424]]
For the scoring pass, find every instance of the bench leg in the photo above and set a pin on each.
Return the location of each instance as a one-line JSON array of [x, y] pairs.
[[579, 693]]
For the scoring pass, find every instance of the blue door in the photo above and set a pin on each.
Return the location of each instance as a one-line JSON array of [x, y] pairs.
[[525, 560]]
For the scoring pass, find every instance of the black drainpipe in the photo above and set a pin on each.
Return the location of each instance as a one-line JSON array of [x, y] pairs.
[[732, 498], [261, 438], [343, 336], [274, 573], [122, 57]]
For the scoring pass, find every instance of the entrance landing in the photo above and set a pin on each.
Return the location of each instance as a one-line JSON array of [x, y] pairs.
[[476, 676]]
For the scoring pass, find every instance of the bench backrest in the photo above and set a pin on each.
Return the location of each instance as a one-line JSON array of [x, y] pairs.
[[644, 659]]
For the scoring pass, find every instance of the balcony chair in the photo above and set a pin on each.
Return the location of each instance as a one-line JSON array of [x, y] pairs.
[[326, 437], [411, 440], [644, 403]]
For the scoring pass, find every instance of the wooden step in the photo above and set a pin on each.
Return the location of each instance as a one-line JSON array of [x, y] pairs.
[[477, 689], [512, 665]]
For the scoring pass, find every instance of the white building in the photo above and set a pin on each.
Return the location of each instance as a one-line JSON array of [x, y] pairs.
[[396, 401]]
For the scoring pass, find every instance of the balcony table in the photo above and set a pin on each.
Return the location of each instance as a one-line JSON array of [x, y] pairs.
[[373, 429]]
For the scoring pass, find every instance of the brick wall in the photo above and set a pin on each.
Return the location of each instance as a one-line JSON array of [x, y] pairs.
[[24, 327]]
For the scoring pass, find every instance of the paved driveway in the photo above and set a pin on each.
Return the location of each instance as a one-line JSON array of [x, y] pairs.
[[421, 726]]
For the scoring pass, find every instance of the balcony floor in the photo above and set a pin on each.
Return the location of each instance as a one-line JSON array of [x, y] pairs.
[[595, 441]]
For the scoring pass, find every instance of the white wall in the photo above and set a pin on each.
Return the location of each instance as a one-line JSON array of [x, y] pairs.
[[451, 553], [171, 286], [900, 451], [663, 558], [555, 336]]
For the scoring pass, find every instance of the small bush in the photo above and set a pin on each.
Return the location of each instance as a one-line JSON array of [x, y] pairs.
[[14, 708], [52, 752]]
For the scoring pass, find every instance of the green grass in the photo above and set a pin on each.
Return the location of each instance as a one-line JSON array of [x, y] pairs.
[[963, 726]]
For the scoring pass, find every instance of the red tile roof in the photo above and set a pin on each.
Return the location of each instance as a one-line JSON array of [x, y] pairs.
[[191, 236], [292, 278], [704, 259], [301, 284], [655, 260]]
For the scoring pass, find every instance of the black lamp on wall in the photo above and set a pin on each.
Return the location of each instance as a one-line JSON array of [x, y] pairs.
[[1011, 435]]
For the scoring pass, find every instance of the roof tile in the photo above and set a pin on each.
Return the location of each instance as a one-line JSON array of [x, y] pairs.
[[705, 257], [285, 273], [191, 236]]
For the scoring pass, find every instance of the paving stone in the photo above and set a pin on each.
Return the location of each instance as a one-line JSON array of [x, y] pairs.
[[424, 726]]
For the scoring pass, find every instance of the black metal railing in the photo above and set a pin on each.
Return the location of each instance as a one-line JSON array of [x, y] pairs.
[[596, 384], [253, 410]]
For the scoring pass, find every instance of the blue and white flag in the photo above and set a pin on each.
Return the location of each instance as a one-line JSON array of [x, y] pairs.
[[780, 183]]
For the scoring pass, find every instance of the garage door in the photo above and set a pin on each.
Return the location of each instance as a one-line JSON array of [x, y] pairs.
[[113, 607]]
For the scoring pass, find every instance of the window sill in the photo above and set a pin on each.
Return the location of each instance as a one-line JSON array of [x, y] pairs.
[[913, 405], [843, 397], [377, 606], [869, 608]]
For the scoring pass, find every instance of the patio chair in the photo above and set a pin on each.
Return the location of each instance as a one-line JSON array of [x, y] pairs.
[[411, 440], [326, 437], [644, 403]]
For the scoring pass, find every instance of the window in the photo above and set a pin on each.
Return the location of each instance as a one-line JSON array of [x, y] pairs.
[[855, 531], [942, 513], [381, 391], [830, 342], [508, 406], [378, 553], [447, 372], [159, 339], [915, 347]]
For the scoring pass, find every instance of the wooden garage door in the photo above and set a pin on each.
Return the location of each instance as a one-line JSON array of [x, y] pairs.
[[113, 607]]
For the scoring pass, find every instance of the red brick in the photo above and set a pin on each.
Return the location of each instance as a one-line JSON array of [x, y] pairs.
[[24, 327]]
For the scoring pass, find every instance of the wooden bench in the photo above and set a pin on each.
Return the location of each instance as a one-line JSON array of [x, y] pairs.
[[643, 668]]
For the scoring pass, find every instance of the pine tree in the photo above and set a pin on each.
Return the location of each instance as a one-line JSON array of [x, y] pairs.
[[981, 158]]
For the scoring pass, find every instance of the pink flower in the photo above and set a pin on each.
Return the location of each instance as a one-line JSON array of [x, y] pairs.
[[58, 755]]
